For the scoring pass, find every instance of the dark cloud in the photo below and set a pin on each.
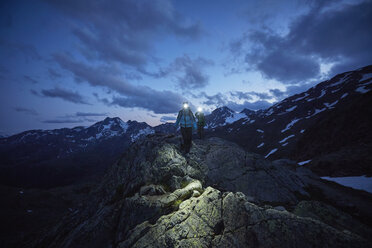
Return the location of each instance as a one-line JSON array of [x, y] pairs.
[[78, 117], [85, 114], [167, 118], [261, 104], [219, 100], [188, 72], [30, 79], [160, 102], [61, 121], [53, 74], [328, 33], [26, 110], [124, 31], [193, 77], [277, 93], [11, 49], [64, 94]]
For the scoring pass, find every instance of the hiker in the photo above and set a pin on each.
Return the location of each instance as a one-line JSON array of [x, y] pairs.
[[187, 122], [201, 122]]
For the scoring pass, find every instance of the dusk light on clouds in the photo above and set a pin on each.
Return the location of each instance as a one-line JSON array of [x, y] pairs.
[[70, 63]]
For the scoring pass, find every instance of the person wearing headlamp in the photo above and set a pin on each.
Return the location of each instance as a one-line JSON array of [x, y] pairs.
[[187, 122]]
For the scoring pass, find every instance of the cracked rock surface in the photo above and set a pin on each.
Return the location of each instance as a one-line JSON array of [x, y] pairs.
[[218, 195]]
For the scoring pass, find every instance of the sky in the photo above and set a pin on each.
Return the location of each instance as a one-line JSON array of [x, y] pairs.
[[66, 63]]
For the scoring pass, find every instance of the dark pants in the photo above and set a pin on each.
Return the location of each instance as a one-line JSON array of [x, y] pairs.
[[201, 131], [186, 136]]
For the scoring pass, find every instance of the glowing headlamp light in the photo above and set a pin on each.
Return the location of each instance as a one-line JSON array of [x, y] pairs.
[[200, 109], [185, 105]]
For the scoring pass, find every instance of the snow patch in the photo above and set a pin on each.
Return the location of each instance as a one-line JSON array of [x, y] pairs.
[[285, 144], [304, 162], [301, 97], [317, 111], [261, 145], [302, 131], [270, 112], [362, 89], [330, 105], [344, 95], [290, 125], [366, 76], [260, 131], [270, 121], [234, 117], [286, 138], [322, 93], [141, 132], [361, 182], [291, 108], [340, 81], [271, 152]]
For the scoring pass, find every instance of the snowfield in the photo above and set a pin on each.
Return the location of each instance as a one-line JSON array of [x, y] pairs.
[[234, 117], [361, 182]]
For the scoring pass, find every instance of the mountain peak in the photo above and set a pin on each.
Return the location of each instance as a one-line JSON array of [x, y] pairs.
[[223, 109]]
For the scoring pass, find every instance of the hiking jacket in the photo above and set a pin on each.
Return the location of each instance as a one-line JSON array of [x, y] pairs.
[[186, 118], [201, 119]]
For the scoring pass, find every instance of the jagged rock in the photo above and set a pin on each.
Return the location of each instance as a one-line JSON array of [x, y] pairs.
[[332, 216], [232, 221], [152, 190], [217, 196]]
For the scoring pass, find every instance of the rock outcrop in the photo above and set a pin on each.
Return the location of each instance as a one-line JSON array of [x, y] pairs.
[[218, 195]]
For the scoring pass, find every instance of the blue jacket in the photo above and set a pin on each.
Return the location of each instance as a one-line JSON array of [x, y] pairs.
[[186, 118]]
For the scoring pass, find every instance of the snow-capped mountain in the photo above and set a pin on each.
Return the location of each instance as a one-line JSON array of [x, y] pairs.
[[80, 150], [222, 116], [326, 128], [277, 131]]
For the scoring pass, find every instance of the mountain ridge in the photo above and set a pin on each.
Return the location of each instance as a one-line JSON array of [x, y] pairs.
[[273, 133]]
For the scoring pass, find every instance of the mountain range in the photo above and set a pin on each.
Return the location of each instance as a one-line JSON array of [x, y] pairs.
[[326, 128]]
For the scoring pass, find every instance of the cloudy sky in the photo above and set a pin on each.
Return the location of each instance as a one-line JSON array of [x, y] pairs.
[[66, 63]]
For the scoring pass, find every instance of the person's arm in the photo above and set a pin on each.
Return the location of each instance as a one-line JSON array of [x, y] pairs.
[[178, 119]]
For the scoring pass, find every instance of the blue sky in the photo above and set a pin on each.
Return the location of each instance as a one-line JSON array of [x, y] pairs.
[[69, 63]]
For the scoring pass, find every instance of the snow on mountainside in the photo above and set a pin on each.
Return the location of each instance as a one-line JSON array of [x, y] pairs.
[[223, 116], [76, 151], [327, 123], [288, 121]]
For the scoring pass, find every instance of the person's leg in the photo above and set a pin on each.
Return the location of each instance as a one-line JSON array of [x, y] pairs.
[[188, 139], [199, 131], [184, 138]]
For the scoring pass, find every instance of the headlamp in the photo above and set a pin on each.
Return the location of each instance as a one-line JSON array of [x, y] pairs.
[[185, 105], [200, 109]]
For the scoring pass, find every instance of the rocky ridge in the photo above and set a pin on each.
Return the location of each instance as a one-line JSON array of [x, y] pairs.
[[217, 196]]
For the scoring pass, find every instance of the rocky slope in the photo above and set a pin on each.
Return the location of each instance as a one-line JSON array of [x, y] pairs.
[[327, 125], [217, 196]]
